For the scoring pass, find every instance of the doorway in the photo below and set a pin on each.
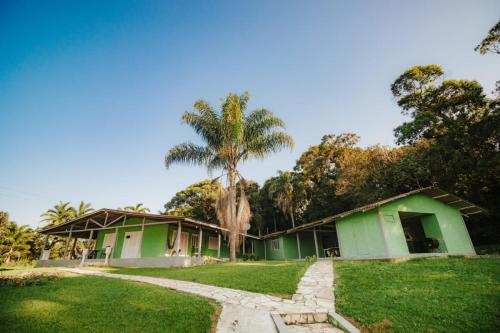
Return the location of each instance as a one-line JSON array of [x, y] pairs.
[[421, 231], [132, 244]]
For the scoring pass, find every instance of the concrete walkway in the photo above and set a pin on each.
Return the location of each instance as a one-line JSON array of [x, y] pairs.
[[244, 311]]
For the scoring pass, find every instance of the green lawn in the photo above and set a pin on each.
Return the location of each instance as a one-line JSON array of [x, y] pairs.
[[268, 277], [94, 304], [422, 295]]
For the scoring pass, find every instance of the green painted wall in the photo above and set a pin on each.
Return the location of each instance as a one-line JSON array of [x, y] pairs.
[[360, 236], [307, 248], [432, 229], [153, 242]]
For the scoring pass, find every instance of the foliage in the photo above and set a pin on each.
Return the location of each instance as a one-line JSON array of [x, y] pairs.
[[60, 213], [310, 259], [288, 192], [268, 277], [138, 208], [196, 201], [16, 241], [64, 212], [231, 136], [27, 279], [491, 43], [250, 257], [83, 303], [424, 295]]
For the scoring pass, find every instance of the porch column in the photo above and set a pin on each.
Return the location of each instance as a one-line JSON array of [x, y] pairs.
[[142, 237], [45, 253], [73, 247], [298, 245], [265, 250], [90, 239], [114, 243], [316, 243], [253, 241], [67, 242], [243, 244], [218, 248], [178, 238], [200, 237]]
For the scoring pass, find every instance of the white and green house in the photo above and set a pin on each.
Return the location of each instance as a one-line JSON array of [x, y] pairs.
[[427, 221]]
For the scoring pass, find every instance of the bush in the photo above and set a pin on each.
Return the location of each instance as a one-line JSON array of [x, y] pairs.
[[310, 259], [27, 279], [250, 257]]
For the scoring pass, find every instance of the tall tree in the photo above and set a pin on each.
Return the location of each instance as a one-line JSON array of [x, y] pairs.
[[83, 209], [60, 213], [491, 43], [15, 243], [460, 126], [231, 136], [138, 208], [196, 201], [288, 193]]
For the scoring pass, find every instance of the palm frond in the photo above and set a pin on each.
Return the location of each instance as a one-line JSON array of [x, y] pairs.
[[189, 153], [270, 143]]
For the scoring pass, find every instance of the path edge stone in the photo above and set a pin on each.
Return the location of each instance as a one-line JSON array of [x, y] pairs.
[[342, 323]]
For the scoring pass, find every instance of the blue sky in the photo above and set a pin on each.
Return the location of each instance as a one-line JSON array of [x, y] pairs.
[[91, 92]]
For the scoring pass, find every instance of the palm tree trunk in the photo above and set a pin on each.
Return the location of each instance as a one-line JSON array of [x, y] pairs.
[[232, 207]]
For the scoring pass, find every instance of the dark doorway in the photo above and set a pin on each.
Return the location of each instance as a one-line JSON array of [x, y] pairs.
[[330, 242], [416, 238]]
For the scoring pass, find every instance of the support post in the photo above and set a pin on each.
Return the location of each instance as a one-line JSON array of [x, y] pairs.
[[200, 237], [243, 245], [114, 243], [45, 253], [89, 240], [298, 245], [218, 247], [73, 248], [67, 243], [178, 238], [265, 250], [142, 237], [253, 241], [316, 243]]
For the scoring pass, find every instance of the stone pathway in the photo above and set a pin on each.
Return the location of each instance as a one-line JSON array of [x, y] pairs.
[[315, 288], [245, 311], [314, 328]]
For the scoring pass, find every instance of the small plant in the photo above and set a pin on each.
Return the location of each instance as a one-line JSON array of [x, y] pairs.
[[250, 257], [310, 259]]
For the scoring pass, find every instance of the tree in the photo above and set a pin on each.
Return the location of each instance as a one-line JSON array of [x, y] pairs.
[[83, 209], [15, 242], [138, 208], [60, 213], [287, 193], [196, 201], [460, 126], [231, 137], [491, 43]]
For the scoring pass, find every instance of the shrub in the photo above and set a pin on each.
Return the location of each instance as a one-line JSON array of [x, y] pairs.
[[250, 257], [27, 279]]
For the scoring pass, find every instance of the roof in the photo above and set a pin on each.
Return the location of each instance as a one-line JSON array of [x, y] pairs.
[[464, 206], [105, 218]]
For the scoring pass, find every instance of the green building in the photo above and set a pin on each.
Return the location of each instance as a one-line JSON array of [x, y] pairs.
[[422, 222], [427, 221]]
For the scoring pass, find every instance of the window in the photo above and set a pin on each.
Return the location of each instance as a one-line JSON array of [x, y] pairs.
[[194, 241], [213, 243], [275, 244]]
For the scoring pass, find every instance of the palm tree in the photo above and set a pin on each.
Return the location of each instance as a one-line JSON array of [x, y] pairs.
[[60, 213], [83, 209], [15, 242], [281, 191], [138, 208], [231, 136]]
